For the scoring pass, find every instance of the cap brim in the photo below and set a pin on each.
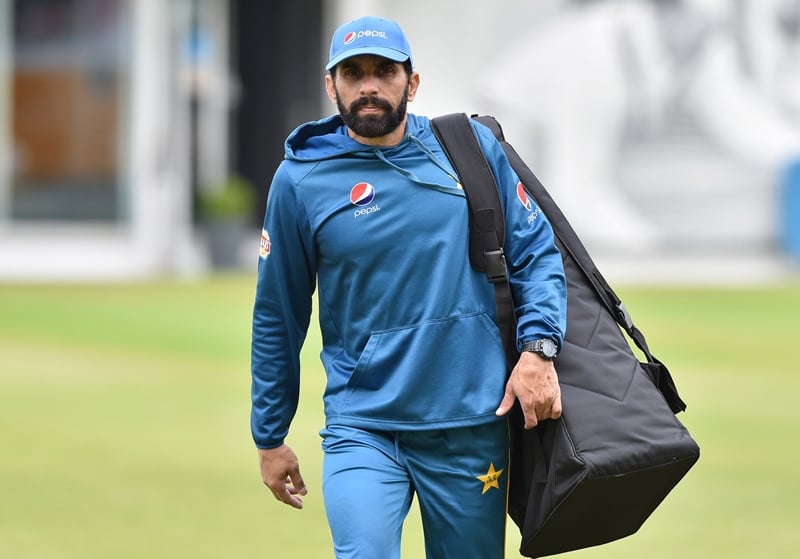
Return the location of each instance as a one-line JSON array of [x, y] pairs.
[[391, 54]]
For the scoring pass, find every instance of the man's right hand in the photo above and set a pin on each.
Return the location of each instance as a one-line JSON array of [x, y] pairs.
[[280, 472]]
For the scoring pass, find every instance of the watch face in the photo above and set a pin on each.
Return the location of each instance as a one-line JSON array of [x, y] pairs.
[[549, 348], [546, 348]]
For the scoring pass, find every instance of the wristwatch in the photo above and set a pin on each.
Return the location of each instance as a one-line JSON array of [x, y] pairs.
[[545, 348]]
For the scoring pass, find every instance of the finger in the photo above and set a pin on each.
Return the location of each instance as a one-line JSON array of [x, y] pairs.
[[293, 500], [557, 409], [531, 420], [297, 485], [283, 491], [284, 494], [507, 402], [289, 487]]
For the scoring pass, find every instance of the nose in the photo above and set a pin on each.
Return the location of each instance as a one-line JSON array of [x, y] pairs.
[[369, 85]]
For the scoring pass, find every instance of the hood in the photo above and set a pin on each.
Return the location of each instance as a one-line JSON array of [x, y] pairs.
[[328, 138]]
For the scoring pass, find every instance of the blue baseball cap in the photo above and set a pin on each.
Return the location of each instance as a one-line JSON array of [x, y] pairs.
[[369, 35]]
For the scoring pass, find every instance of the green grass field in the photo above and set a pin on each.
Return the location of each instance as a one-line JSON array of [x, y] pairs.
[[124, 426]]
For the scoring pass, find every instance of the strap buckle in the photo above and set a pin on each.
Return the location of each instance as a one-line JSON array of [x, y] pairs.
[[625, 316], [496, 270]]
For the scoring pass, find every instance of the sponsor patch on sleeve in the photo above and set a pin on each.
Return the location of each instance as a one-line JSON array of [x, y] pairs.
[[522, 195], [265, 246]]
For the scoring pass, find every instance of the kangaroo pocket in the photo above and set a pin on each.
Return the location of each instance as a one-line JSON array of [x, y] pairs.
[[436, 371]]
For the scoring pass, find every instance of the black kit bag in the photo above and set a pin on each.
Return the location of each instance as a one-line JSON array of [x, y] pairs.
[[597, 473]]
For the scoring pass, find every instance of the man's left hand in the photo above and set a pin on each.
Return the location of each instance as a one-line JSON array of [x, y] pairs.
[[534, 383]]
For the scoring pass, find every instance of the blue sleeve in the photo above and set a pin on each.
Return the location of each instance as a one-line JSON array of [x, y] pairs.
[[281, 313], [536, 270]]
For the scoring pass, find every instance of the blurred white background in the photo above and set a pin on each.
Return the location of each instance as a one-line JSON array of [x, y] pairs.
[[667, 130]]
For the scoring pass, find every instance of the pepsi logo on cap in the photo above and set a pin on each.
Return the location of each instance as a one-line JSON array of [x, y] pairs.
[[350, 37], [523, 196], [362, 194]]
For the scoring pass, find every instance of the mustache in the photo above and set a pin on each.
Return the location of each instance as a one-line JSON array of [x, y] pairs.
[[370, 100]]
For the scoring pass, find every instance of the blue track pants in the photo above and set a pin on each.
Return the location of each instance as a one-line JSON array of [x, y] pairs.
[[460, 477]]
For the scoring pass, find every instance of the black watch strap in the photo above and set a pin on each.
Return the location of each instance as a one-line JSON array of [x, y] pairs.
[[545, 348]]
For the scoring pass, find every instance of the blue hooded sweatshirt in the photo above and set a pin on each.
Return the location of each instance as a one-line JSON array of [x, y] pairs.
[[409, 332]]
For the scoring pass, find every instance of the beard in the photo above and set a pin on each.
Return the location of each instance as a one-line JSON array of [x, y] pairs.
[[373, 126]]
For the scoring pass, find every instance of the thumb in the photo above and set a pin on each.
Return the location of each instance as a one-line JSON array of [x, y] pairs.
[[508, 401], [298, 485]]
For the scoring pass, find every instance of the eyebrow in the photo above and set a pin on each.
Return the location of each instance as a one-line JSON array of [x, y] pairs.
[[381, 62]]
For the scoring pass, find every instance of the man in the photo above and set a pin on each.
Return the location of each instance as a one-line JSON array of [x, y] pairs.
[[366, 208]]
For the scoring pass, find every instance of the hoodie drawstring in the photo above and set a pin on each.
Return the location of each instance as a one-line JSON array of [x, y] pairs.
[[432, 157]]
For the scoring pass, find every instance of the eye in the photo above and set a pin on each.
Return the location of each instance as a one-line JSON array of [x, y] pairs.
[[350, 72], [387, 70]]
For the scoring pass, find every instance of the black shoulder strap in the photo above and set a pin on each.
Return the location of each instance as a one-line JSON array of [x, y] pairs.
[[486, 221], [487, 226]]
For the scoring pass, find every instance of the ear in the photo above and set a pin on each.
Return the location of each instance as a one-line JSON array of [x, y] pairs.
[[329, 89], [413, 85]]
